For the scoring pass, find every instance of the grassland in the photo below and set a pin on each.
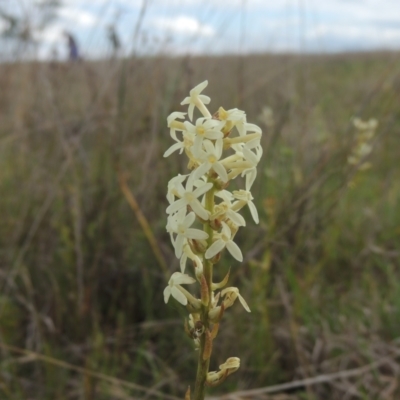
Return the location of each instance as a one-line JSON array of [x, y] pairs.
[[81, 287]]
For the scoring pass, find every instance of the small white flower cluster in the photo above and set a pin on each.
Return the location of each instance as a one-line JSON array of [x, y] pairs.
[[363, 143], [204, 144]]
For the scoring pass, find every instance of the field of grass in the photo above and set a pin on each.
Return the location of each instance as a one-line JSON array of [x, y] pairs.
[[82, 314]]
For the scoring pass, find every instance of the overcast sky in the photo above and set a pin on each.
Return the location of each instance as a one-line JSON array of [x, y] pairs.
[[218, 26]]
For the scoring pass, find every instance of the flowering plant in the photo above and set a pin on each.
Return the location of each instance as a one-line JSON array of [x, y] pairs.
[[220, 148]]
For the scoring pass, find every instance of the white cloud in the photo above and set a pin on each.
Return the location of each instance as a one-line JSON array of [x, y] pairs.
[[184, 25], [78, 16], [52, 34], [362, 34]]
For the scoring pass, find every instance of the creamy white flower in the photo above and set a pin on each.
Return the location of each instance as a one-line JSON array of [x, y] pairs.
[[189, 197], [234, 115], [224, 211], [251, 175], [245, 151], [243, 127], [365, 125], [224, 239], [204, 129], [230, 141], [230, 294], [210, 160], [198, 100], [179, 145], [245, 197], [172, 191], [188, 253], [181, 227], [225, 195], [175, 289], [172, 221], [236, 161], [254, 158], [175, 125], [185, 144]]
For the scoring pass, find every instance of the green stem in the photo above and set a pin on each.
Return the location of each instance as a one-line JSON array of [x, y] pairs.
[[203, 365]]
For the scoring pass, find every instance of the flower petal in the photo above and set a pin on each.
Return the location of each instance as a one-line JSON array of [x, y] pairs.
[[189, 219], [199, 88], [234, 249], [202, 189], [167, 294], [251, 175], [196, 234], [215, 248], [243, 303], [236, 218], [253, 143], [221, 171], [250, 156], [175, 115], [199, 209], [226, 231], [196, 148], [190, 111], [182, 262], [181, 279], [209, 147], [253, 128], [201, 170], [176, 206], [205, 99], [173, 148], [179, 245], [253, 211], [219, 145], [178, 295]]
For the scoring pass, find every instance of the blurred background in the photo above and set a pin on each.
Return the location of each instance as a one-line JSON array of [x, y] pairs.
[[85, 89]]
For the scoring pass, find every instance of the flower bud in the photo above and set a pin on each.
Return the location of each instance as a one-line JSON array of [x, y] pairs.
[[198, 267], [216, 258], [231, 365], [215, 315], [214, 378], [215, 224], [198, 246], [219, 185], [229, 299]]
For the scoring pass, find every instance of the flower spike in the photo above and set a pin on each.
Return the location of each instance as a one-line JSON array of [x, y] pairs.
[[204, 217]]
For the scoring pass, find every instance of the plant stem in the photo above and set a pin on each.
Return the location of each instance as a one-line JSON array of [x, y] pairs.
[[203, 365]]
